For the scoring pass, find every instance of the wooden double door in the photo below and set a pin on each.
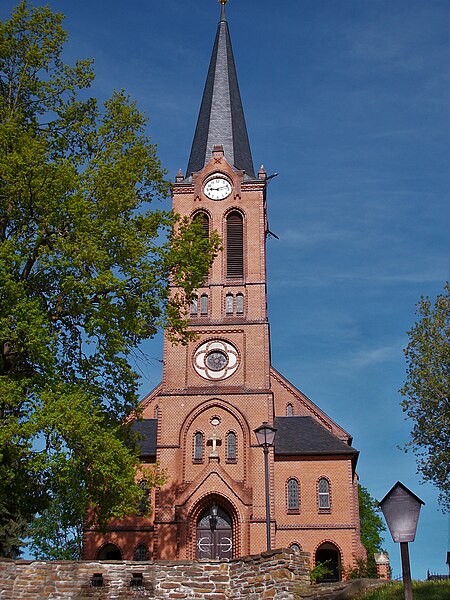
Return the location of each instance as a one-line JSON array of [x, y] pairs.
[[214, 535]]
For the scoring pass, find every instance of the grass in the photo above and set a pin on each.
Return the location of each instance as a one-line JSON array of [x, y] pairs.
[[422, 590]]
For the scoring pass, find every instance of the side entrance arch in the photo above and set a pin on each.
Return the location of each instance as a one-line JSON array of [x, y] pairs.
[[214, 534], [329, 554], [109, 552]]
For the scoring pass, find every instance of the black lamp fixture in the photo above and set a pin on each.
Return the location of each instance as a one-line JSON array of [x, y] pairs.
[[213, 517], [265, 434]]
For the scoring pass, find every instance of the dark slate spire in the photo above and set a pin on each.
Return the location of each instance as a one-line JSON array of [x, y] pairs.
[[221, 119]]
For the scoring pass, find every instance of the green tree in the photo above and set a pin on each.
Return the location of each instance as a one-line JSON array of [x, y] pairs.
[[85, 266], [427, 391], [372, 528]]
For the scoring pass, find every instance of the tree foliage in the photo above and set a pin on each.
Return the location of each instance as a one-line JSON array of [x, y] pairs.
[[427, 391], [372, 528], [84, 277]]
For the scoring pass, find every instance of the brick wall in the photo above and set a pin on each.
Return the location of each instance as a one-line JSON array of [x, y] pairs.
[[279, 574]]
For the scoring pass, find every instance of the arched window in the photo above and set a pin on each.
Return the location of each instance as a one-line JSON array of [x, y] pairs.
[[144, 502], [156, 411], [204, 304], [239, 304], [198, 447], [295, 547], [231, 446], [194, 306], [235, 245], [229, 304], [324, 494], [292, 495], [109, 552], [289, 410], [203, 219], [141, 552]]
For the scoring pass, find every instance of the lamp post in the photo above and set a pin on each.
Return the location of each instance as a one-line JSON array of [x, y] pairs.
[[265, 435], [401, 510]]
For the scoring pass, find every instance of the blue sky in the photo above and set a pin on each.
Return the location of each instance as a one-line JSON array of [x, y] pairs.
[[347, 101]]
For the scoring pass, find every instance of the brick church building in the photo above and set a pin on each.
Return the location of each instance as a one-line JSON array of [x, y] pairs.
[[199, 421]]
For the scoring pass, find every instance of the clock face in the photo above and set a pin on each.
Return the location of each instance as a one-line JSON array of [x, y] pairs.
[[217, 188], [216, 359]]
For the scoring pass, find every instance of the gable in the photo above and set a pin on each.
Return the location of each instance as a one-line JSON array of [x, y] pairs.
[[285, 392]]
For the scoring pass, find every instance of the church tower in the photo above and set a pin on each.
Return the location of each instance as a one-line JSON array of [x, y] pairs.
[[199, 422]]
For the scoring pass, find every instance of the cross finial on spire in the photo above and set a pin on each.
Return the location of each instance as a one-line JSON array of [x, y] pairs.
[[222, 14]]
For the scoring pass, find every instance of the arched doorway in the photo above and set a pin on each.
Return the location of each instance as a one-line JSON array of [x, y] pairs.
[[109, 552], [329, 554], [214, 534]]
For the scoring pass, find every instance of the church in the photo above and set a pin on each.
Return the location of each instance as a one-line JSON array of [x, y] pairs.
[[226, 495]]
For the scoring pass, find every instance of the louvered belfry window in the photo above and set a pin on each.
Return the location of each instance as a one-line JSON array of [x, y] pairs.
[[235, 245], [204, 220]]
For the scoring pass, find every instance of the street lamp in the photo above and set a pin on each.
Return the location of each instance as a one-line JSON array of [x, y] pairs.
[[265, 436], [401, 510]]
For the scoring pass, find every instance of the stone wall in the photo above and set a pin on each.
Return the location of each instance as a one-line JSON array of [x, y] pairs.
[[279, 574]]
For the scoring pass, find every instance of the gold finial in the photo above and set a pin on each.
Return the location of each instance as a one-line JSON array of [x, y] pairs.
[[222, 14]]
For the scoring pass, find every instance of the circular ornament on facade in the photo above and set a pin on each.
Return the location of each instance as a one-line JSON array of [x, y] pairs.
[[216, 360]]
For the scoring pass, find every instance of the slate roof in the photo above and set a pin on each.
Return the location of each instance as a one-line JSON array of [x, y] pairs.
[[221, 118], [305, 436], [147, 430]]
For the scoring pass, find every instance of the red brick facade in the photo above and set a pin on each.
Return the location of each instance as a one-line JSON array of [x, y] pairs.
[[200, 400], [187, 402]]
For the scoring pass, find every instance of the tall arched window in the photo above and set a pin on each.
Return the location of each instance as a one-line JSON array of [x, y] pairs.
[[204, 304], [229, 304], [194, 306], [292, 495], [231, 446], [235, 245], [289, 410], [324, 494], [239, 304], [198, 447], [203, 219], [144, 502]]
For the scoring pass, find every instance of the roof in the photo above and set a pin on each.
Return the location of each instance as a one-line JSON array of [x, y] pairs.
[[306, 436], [221, 118], [147, 430]]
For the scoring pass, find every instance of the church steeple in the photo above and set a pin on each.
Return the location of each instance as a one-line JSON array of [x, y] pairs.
[[221, 119]]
